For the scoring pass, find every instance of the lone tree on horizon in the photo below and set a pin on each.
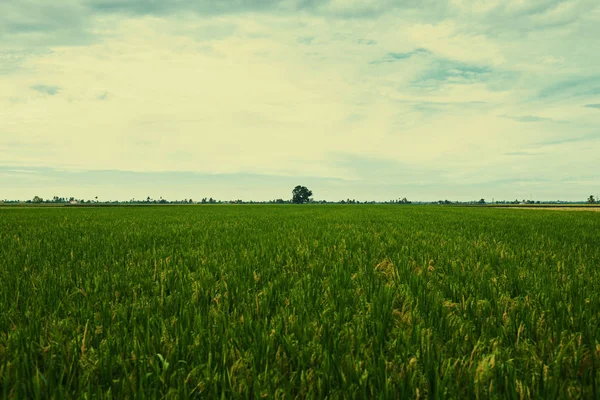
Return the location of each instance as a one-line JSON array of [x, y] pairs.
[[301, 195]]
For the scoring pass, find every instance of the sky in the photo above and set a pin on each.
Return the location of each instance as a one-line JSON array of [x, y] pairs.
[[245, 99]]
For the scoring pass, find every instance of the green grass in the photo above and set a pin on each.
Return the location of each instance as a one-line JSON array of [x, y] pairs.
[[299, 301]]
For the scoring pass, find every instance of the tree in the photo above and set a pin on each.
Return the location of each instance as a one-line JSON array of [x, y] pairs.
[[481, 201], [591, 199], [301, 195], [37, 199]]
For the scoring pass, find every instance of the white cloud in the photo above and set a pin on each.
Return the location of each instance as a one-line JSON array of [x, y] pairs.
[[226, 93]]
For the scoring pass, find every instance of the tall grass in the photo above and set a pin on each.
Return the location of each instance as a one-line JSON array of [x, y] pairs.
[[307, 301]]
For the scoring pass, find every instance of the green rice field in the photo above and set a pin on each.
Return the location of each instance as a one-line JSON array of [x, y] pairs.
[[331, 301]]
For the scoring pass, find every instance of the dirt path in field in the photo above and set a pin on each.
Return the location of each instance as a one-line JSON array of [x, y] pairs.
[[558, 208]]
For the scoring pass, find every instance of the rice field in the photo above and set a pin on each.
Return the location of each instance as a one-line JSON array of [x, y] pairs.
[[336, 301]]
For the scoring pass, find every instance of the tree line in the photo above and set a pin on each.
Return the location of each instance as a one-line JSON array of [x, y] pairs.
[[300, 195]]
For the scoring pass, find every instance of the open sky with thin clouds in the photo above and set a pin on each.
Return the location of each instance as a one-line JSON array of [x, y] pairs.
[[365, 99]]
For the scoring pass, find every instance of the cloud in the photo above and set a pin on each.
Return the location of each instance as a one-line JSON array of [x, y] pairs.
[[431, 107], [46, 89], [375, 168], [307, 40], [124, 185], [367, 42], [75, 21], [431, 70], [36, 23], [592, 106], [344, 9], [22, 171], [354, 118], [521, 154], [393, 57], [592, 137], [575, 87], [517, 19], [451, 71], [527, 118], [13, 61], [286, 88], [166, 7]]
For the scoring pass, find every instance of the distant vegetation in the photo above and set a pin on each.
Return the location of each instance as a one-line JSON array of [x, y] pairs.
[[299, 302], [300, 195]]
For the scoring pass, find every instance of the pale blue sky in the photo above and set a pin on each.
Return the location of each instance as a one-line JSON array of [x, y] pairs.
[[245, 99]]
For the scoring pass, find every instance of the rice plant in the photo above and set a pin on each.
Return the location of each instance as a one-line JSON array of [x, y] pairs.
[[299, 302]]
